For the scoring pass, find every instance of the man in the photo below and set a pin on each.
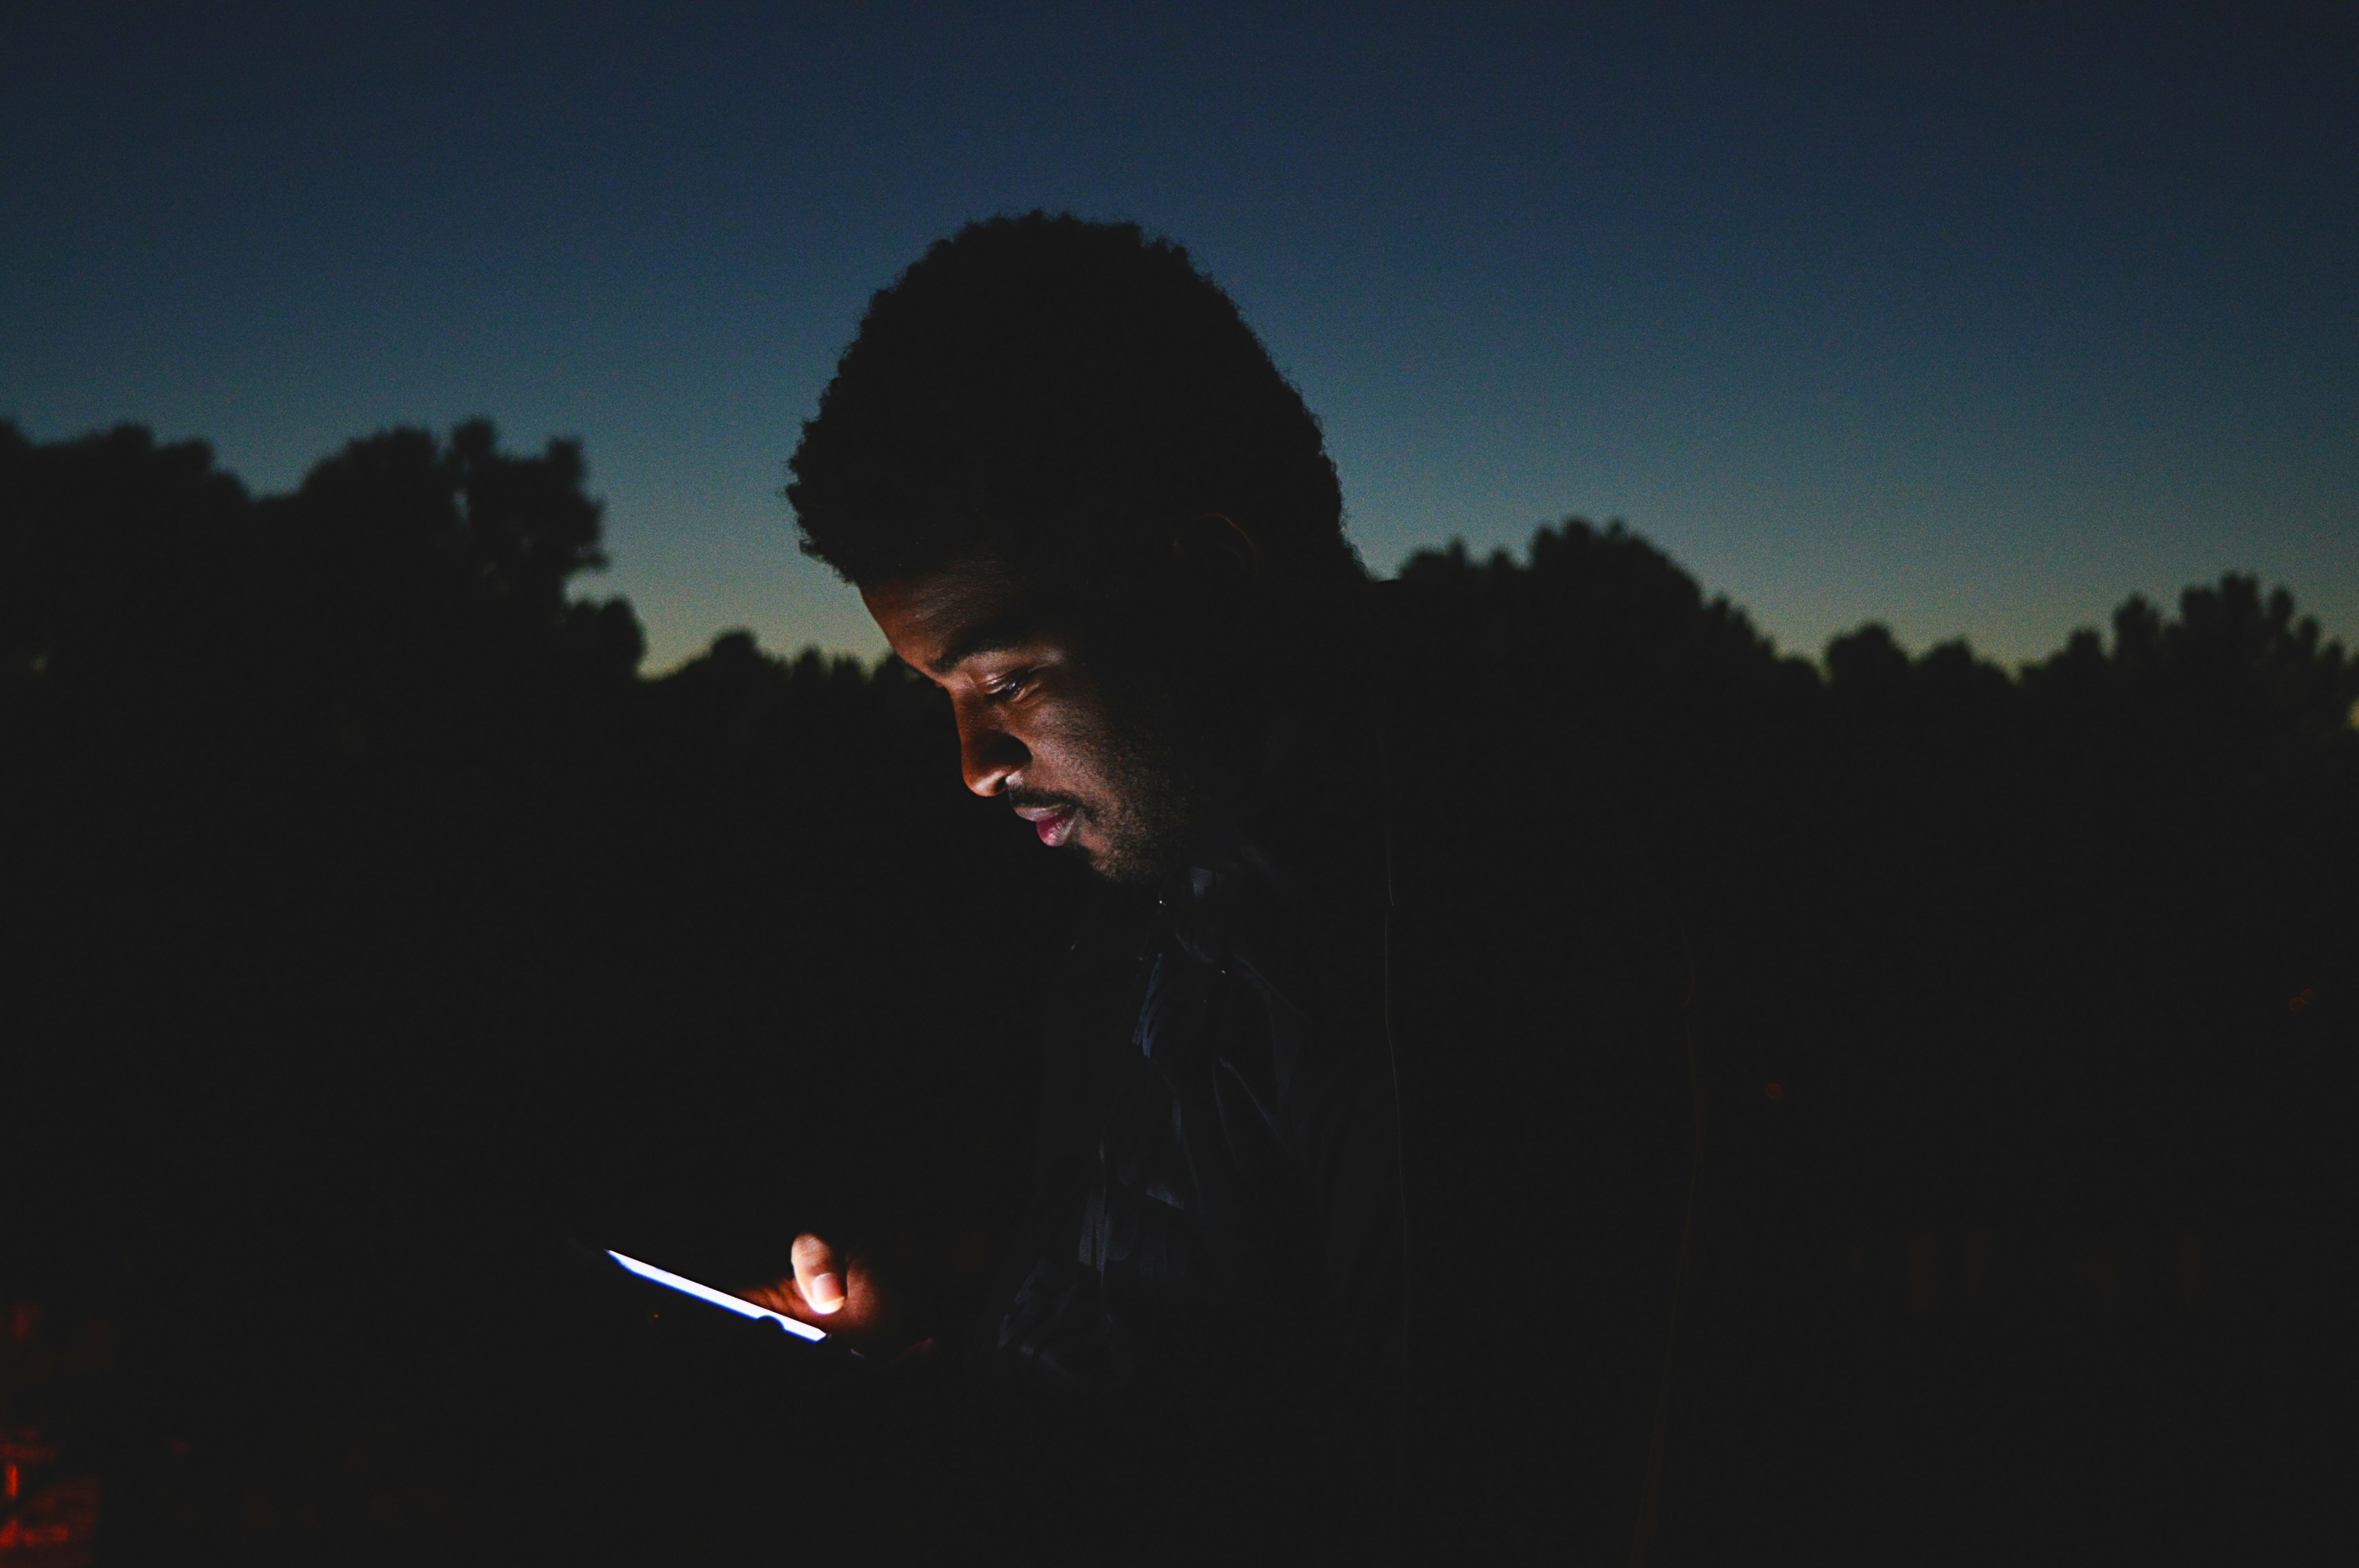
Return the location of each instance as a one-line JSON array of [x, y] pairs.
[[1074, 491]]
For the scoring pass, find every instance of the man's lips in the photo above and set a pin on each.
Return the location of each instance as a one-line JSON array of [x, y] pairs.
[[1053, 823]]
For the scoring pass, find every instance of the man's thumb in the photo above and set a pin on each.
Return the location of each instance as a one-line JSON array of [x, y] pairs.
[[818, 1274]]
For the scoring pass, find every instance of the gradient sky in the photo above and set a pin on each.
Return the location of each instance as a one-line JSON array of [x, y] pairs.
[[1972, 319]]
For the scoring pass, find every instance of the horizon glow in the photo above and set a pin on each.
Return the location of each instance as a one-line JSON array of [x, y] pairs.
[[1971, 320]]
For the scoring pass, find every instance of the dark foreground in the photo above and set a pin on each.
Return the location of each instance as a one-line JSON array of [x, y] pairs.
[[370, 933]]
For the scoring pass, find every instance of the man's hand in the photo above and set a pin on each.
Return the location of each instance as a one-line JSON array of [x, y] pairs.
[[842, 1296]]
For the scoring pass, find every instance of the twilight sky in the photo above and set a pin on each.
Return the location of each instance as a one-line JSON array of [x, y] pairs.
[[1972, 319]]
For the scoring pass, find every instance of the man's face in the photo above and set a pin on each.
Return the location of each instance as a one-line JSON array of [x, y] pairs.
[[1075, 739]]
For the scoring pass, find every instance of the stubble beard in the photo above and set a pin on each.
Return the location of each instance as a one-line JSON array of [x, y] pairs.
[[1148, 805]]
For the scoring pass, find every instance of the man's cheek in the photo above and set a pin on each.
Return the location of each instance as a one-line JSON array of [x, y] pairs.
[[1062, 759]]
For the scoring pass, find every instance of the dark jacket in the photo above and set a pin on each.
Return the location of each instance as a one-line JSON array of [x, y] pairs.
[[1343, 1037], [1209, 1285]]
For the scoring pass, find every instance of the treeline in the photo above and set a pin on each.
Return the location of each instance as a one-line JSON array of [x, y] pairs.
[[372, 924], [372, 920], [2022, 1035], [1943, 895]]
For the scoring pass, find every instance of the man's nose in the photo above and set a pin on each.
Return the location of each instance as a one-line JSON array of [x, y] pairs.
[[988, 754]]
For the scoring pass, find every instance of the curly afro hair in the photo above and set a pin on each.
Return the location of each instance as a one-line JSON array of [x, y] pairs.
[[1059, 393]]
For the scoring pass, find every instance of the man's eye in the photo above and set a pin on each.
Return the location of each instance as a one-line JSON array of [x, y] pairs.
[[1009, 688]]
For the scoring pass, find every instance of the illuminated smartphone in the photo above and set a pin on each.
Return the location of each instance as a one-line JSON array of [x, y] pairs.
[[670, 1281]]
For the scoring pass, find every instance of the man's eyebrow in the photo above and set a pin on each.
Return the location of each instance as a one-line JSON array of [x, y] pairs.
[[991, 637]]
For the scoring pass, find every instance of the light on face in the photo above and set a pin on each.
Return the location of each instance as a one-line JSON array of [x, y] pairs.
[[665, 1276]]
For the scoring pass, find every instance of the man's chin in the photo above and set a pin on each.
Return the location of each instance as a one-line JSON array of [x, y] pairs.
[[1125, 865], [1108, 868]]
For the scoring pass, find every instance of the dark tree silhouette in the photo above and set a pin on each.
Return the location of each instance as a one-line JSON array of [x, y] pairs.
[[370, 920]]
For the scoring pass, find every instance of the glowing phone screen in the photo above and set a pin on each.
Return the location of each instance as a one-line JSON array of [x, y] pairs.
[[665, 1276]]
